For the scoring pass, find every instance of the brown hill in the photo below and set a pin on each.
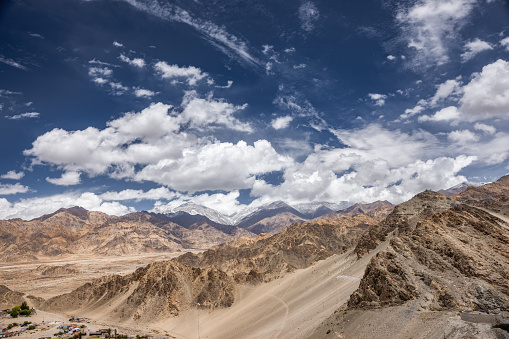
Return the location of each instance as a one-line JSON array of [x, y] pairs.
[[156, 291], [296, 247], [9, 299], [78, 231], [457, 259], [494, 196], [404, 218]]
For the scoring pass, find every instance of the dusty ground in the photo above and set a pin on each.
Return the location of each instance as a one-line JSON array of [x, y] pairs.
[[29, 278]]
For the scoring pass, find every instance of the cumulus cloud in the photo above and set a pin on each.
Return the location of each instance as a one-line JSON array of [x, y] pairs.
[[155, 140], [207, 112], [144, 93], [216, 166], [308, 15], [379, 99], [191, 74], [445, 114], [463, 137], [429, 27], [412, 111], [505, 43], [35, 207], [117, 44], [472, 48], [487, 94], [445, 90], [485, 128], [137, 62], [138, 195], [67, 179], [281, 122], [13, 175], [375, 164], [391, 57], [7, 189], [27, 115]]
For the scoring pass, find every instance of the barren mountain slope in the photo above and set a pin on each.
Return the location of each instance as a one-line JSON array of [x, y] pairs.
[[455, 260], [152, 292], [298, 246], [78, 231], [9, 298], [494, 196], [403, 219]]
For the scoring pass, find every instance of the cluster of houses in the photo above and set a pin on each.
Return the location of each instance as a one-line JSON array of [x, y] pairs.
[[6, 332], [73, 331]]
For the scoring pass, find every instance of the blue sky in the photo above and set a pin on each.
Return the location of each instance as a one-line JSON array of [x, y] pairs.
[[145, 104]]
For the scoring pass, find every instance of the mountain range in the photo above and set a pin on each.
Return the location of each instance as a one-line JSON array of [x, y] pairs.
[[78, 231]]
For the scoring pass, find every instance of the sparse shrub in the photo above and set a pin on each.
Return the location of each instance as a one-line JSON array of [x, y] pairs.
[[31, 327]]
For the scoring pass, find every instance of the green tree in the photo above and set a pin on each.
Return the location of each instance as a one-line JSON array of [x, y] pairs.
[[14, 313], [24, 306]]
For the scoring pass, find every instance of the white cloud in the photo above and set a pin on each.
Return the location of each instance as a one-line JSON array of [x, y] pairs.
[[299, 66], [216, 166], [28, 115], [487, 94], [429, 26], [154, 141], [100, 72], [227, 43], [290, 50], [375, 164], [7, 189], [445, 90], [505, 43], [485, 128], [474, 47], [13, 175], [137, 62], [204, 113], [100, 81], [412, 111], [391, 57], [117, 44], [228, 85], [191, 74], [378, 98], [35, 207], [445, 114], [463, 137], [130, 194], [144, 93], [281, 122], [67, 179], [308, 15], [12, 63]]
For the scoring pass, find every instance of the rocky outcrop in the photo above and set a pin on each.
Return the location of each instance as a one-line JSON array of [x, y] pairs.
[[158, 290], [454, 259], [403, 219]]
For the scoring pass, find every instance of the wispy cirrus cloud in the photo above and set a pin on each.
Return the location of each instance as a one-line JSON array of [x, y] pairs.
[[28, 115], [228, 43], [12, 63], [430, 27]]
